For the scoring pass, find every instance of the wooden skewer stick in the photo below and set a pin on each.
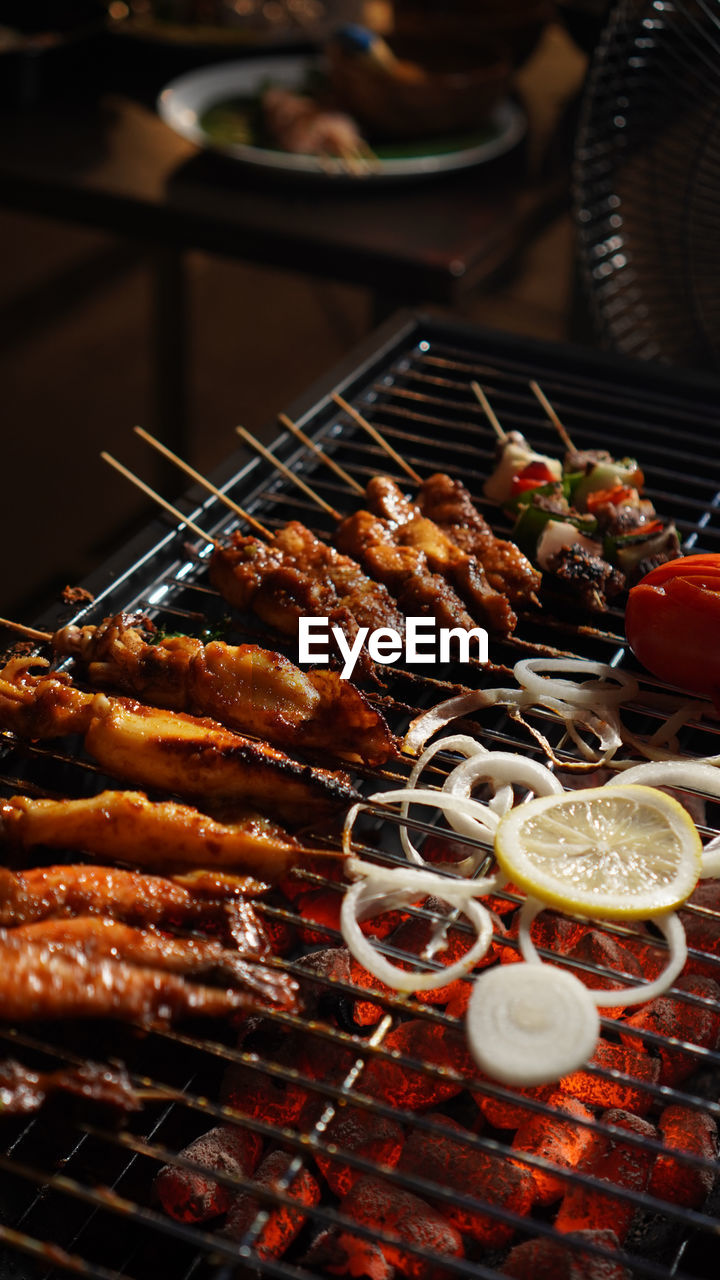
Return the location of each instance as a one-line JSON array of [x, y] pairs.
[[151, 493], [207, 484], [31, 632], [377, 437], [552, 415], [489, 412], [340, 472], [249, 438]]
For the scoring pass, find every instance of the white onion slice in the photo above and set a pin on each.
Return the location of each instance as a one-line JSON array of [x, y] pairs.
[[355, 903], [669, 925], [424, 726], [417, 884], [693, 775], [467, 746], [612, 687], [530, 1024]]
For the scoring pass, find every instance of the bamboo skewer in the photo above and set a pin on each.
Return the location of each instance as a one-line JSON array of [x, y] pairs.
[[249, 438], [340, 472], [377, 437], [201, 479], [162, 502], [552, 415], [489, 412], [31, 632]]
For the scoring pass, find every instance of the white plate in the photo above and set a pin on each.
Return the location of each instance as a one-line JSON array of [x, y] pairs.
[[183, 103]]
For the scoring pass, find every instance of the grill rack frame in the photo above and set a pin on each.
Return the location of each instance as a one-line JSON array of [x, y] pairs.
[[374, 371]]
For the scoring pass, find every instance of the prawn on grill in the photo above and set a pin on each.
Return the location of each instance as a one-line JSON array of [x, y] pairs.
[[185, 755], [44, 978], [133, 897], [244, 687], [102, 939], [23, 1090], [126, 826], [297, 575]]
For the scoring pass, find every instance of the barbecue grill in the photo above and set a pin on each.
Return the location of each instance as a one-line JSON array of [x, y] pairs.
[[364, 1084]]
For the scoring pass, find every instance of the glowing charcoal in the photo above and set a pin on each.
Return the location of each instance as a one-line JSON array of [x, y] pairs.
[[673, 1180], [191, 1196], [670, 1016], [558, 1139], [617, 1163], [279, 1101], [606, 953], [390, 1209], [411, 1089], [320, 907], [510, 1115], [283, 1223], [548, 1259], [450, 1159], [361, 1133], [340, 1253], [597, 1091]]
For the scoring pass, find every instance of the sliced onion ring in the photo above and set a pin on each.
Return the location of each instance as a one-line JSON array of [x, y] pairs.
[[669, 925], [364, 891], [613, 686], [467, 746], [530, 1024]]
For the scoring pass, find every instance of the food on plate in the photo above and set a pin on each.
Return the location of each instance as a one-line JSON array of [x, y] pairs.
[[530, 1024], [298, 123], [619, 852], [583, 521], [672, 622], [244, 687], [297, 575], [157, 835], [23, 1091], [179, 753]]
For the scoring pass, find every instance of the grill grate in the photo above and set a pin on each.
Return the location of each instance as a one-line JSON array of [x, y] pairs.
[[76, 1194]]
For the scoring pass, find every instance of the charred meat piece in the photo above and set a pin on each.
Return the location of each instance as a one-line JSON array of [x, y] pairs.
[[244, 687], [298, 575], [23, 1091], [590, 579], [404, 569], [462, 570], [449, 504], [126, 826], [175, 752]]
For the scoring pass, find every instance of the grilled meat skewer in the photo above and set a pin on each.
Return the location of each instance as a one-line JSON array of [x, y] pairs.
[[171, 751], [161, 835], [244, 687], [23, 1091], [298, 575], [100, 938], [45, 979], [448, 503]]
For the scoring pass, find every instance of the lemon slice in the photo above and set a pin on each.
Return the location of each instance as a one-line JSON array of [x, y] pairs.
[[629, 851]]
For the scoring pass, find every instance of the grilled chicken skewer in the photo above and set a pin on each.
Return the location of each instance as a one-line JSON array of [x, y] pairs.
[[101, 938], [125, 826], [43, 978], [182, 754], [23, 1091], [244, 687], [298, 575]]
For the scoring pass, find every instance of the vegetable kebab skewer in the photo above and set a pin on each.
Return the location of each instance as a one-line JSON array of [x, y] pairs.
[[583, 520], [244, 687]]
